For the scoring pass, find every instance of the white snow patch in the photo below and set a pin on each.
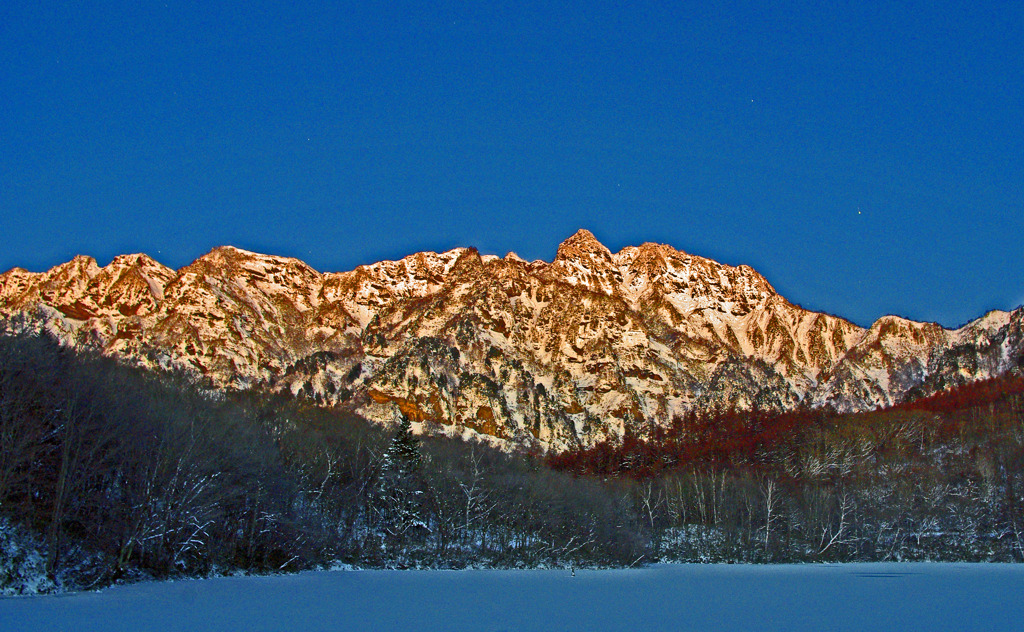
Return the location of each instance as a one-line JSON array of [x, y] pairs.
[[989, 323]]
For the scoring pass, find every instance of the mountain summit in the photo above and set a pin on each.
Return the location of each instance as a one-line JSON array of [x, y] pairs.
[[582, 244], [548, 354]]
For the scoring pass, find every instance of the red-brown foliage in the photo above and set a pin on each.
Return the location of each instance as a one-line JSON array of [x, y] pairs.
[[736, 439], [980, 393], [726, 438]]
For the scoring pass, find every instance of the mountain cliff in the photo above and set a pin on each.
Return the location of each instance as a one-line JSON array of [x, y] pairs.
[[533, 353]]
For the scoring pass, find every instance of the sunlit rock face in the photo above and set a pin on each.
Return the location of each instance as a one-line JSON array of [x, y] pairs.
[[538, 354]]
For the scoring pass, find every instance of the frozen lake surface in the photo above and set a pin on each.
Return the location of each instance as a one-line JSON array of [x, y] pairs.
[[669, 597]]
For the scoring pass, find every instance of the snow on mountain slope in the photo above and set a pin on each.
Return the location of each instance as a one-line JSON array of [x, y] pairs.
[[550, 354]]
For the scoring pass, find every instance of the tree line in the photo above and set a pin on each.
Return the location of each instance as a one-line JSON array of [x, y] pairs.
[[111, 473]]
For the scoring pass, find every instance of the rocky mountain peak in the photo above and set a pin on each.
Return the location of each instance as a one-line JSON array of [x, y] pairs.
[[80, 265], [134, 260], [582, 245], [583, 260], [648, 258]]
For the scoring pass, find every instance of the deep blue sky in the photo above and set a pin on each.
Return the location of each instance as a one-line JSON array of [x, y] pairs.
[[867, 158]]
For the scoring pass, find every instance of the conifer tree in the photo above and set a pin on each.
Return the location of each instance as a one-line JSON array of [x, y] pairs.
[[401, 490], [403, 455]]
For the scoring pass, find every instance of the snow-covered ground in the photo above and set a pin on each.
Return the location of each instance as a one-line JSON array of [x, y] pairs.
[[684, 597]]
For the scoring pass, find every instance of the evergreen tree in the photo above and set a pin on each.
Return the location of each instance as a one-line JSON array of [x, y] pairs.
[[403, 454], [401, 502]]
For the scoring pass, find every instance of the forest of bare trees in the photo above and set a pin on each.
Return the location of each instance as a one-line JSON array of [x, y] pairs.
[[110, 473], [940, 478]]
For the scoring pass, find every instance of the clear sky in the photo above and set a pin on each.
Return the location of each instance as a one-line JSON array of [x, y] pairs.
[[867, 158]]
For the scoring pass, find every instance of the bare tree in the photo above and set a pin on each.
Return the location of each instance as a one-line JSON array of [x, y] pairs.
[[770, 494], [836, 530]]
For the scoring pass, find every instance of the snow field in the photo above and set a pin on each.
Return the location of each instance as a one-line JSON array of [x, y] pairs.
[[885, 596]]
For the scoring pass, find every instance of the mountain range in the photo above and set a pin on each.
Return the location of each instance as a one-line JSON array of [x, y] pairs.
[[536, 354]]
